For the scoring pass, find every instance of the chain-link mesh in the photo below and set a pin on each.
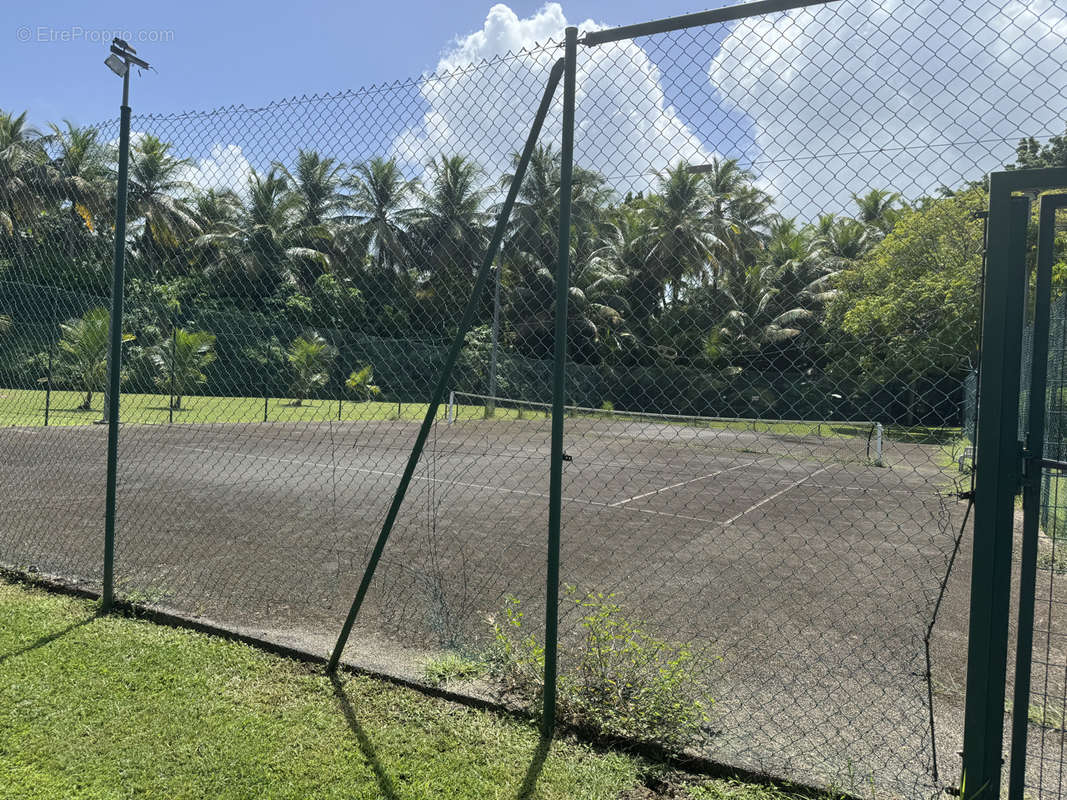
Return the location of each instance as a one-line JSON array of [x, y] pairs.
[[773, 312]]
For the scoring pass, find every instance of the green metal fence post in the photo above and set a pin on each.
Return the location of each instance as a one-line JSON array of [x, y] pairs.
[[456, 346], [559, 375], [115, 360], [997, 477]]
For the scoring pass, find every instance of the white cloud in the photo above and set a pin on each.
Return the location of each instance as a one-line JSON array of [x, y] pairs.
[[225, 168], [895, 95], [625, 127]]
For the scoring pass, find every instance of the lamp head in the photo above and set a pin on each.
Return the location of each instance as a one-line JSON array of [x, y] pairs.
[[117, 65]]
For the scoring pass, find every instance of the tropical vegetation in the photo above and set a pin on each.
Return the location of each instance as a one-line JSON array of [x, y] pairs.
[[695, 294]]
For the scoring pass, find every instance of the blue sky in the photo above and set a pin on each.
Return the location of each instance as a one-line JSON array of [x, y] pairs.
[[220, 53], [824, 102]]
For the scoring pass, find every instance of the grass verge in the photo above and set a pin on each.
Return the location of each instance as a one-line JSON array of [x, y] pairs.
[[113, 707]]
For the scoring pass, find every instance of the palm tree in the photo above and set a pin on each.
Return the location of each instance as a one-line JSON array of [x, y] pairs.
[[156, 196], [682, 221], [79, 171], [838, 243], [22, 155], [535, 216], [217, 209], [448, 231], [360, 383], [83, 347], [262, 242], [380, 198], [878, 209], [317, 185], [310, 357], [181, 362], [762, 314]]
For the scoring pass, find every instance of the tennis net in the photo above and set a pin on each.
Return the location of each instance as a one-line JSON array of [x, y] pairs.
[[865, 439]]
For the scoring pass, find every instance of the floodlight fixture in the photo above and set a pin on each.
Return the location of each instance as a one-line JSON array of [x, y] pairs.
[[117, 65]]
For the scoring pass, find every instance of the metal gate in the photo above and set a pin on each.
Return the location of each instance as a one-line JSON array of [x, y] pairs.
[[1018, 451]]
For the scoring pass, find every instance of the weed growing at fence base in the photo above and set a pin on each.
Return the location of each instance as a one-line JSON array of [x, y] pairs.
[[622, 680], [452, 667]]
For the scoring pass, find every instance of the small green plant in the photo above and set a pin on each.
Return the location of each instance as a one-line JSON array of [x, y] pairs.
[[452, 667], [83, 348], [1055, 562], [1046, 716], [181, 361], [623, 680], [310, 358], [359, 382]]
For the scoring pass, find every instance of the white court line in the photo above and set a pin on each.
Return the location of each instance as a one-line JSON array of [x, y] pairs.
[[768, 499], [678, 485], [386, 473]]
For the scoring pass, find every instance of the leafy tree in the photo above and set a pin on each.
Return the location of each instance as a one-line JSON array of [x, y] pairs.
[[360, 383], [1031, 154], [181, 362], [909, 307], [83, 347], [310, 358]]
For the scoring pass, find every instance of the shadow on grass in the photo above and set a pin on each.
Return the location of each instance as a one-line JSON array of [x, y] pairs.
[[44, 640], [385, 783], [533, 772]]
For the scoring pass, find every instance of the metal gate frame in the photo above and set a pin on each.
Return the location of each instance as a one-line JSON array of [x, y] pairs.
[[999, 471]]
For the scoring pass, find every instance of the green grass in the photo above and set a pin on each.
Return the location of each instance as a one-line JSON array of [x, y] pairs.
[[113, 707], [452, 667], [25, 407]]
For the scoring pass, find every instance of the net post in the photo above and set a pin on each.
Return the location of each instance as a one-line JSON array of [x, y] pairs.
[[450, 409], [490, 406], [878, 444], [555, 490], [466, 320]]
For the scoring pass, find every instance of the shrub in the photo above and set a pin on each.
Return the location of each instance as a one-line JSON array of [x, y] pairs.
[[623, 680]]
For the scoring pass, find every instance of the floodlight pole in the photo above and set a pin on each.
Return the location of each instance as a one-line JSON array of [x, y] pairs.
[[121, 50]]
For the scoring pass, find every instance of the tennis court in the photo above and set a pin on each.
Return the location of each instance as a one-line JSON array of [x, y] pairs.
[[779, 547]]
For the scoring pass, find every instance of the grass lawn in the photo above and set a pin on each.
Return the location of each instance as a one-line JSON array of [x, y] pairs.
[[113, 707], [26, 407]]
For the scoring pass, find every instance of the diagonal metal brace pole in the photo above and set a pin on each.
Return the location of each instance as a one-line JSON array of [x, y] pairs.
[[453, 354]]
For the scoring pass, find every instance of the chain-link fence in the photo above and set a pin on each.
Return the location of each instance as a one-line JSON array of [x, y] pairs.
[[773, 301]]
